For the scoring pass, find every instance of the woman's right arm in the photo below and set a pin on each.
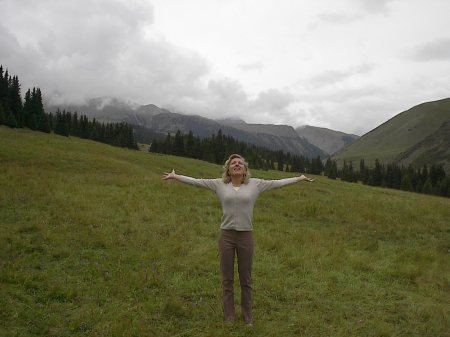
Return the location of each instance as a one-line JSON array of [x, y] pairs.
[[206, 183]]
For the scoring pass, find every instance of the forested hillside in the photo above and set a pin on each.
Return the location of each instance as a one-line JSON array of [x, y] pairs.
[[30, 113]]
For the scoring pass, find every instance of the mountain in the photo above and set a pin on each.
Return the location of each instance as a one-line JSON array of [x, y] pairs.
[[152, 122], [328, 140], [277, 137], [416, 136]]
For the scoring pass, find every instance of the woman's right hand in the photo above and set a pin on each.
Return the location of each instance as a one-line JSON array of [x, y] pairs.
[[169, 175]]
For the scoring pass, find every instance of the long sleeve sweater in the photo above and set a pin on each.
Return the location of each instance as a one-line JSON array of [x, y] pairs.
[[237, 206]]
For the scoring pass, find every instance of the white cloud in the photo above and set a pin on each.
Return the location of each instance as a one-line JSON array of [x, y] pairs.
[[251, 66], [331, 77]]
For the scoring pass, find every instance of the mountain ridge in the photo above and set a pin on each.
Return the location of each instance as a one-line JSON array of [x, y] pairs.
[[160, 121], [395, 140]]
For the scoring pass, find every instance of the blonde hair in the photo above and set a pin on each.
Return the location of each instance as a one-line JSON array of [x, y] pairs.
[[226, 167]]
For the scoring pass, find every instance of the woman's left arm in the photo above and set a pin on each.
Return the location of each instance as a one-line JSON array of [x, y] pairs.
[[265, 185]]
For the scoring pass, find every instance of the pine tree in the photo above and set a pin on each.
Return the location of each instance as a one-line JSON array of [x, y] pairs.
[[331, 170], [15, 100], [327, 167], [363, 172], [9, 118], [190, 145], [407, 179], [316, 166], [131, 141], [43, 124], [168, 144], [61, 125], [427, 187], [376, 175], [3, 89], [178, 144], [75, 125], [436, 174], [345, 172], [219, 148], [280, 160], [443, 187], [27, 109], [2, 97]]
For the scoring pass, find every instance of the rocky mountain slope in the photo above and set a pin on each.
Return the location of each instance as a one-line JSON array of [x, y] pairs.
[[328, 140]]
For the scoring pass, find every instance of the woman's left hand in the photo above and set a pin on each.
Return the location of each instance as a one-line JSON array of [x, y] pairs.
[[305, 178]]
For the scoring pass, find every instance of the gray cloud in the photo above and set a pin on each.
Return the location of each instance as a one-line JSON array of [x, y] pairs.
[[84, 49], [227, 90], [375, 7], [436, 50], [102, 50], [272, 100], [226, 97], [8, 42]]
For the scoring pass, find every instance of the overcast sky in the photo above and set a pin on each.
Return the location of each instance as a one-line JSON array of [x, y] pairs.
[[348, 65]]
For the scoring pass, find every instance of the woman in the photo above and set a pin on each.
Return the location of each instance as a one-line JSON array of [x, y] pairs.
[[237, 193]]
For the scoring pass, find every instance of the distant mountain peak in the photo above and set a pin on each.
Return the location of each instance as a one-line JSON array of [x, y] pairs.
[[231, 120], [328, 140]]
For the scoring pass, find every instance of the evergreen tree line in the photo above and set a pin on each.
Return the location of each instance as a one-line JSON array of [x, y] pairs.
[[30, 114], [69, 124], [219, 147], [429, 180]]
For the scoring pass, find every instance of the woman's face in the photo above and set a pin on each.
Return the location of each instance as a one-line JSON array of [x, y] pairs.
[[237, 167]]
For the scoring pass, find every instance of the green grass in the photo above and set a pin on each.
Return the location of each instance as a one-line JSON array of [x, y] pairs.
[[93, 243]]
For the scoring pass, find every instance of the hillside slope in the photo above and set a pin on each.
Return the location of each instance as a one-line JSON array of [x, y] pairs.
[[395, 138], [94, 243], [433, 149]]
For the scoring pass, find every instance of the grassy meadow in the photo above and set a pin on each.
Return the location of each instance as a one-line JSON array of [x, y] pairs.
[[94, 243]]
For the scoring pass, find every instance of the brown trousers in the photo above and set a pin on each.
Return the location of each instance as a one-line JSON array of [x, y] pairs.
[[241, 243]]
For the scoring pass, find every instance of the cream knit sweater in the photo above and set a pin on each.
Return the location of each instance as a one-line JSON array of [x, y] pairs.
[[237, 206]]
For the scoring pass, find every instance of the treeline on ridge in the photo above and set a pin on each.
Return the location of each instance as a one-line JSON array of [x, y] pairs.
[[30, 114], [428, 180], [218, 148]]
